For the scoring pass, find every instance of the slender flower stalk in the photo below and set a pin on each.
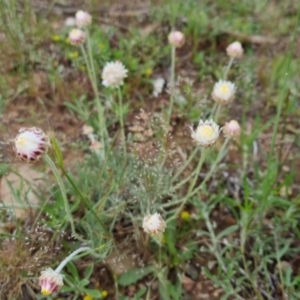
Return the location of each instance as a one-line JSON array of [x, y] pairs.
[[172, 84], [89, 61], [192, 185], [213, 167], [70, 257], [228, 67], [121, 119], [184, 166], [63, 192]]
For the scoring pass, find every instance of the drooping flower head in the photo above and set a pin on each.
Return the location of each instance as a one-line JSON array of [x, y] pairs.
[[235, 50], [176, 39], [77, 37], [223, 92], [232, 129], [50, 281], [113, 74], [154, 224], [83, 19], [31, 144], [206, 133]]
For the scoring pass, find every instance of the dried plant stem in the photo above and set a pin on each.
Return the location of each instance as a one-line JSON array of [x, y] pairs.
[[172, 83]]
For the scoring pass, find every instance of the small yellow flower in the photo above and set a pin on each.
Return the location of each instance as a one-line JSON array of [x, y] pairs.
[[88, 297], [148, 72], [185, 215], [104, 293], [101, 46], [56, 38], [74, 54]]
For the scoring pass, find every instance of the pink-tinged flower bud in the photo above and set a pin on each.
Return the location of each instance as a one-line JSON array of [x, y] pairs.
[[50, 281], [154, 224], [176, 39], [83, 19], [232, 129], [77, 37], [31, 144], [86, 129], [235, 50]]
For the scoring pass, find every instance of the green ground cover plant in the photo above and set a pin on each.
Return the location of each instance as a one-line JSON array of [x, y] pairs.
[[149, 150]]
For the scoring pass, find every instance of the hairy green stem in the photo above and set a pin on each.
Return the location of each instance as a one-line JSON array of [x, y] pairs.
[[70, 257], [121, 119], [212, 169], [187, 162], [231, 60], [172, 84], [192, 185], [63, 192], [89, 61]]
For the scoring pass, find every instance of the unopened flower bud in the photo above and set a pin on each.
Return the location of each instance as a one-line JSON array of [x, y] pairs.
[[232, 129], [86, 129], [154, 224], [50, 281], [31, 144], [235, 50], [77, 37], [83, 19], [176, 39]]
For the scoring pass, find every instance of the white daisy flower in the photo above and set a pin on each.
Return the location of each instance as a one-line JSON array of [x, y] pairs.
[[235, 50], [50, 281], [113, 74], [158, 85], [83, 19], [223, 91], [31, 144], [154, 224], [206, 133], [77, 37]]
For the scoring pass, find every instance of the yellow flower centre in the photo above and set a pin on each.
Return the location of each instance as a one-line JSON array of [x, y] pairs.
[[206, 131], [45, 292], [21, 141], [224, 89]]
